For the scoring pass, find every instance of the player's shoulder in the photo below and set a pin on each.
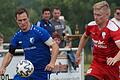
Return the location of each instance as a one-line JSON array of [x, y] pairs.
[[112, 26], [17, 34], [92, 23], [41, 21], [37, 29]]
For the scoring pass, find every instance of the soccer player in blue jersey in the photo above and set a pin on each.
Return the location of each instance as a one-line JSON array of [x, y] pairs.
[[36, 43]]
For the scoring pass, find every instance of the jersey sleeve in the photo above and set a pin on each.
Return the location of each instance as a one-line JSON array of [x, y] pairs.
[[114, 31], [115, 35], [13, 44], [89, 27], [13, 41]]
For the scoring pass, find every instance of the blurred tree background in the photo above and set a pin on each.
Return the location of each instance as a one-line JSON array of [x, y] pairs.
[[75, 12]]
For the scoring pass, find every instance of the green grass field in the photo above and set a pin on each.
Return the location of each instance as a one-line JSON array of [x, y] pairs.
[[86, 66], [87, 61]]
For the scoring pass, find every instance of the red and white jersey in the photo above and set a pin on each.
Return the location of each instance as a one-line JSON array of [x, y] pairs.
[[116, 21], [104, 40]]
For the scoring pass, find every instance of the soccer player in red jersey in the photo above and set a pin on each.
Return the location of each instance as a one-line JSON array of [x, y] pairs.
[[106, 50]]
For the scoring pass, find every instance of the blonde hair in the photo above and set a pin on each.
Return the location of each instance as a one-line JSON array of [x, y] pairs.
[[104, 6]]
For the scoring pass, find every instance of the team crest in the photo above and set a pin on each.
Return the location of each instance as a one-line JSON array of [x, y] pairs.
[[32, 40], [103, 35]]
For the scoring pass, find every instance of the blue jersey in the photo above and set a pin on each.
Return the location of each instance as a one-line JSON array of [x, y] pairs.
[[33, 44], [46, 25]]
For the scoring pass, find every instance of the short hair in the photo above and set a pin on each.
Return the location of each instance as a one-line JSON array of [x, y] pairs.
[[20, 11], [117, 8], [56, 35], [1, 35], [57, 8], [46, 9], [102, 5]]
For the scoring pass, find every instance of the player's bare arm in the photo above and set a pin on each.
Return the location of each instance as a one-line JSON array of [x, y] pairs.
[[7, 59], [82, 44], [112, 61], [54, 52]]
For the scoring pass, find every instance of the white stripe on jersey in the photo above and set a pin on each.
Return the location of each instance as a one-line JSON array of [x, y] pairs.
[[112, 26], [92, 23], [117, 41]]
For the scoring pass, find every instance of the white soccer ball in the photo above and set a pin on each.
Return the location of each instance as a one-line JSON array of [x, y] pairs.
[[24, 68]]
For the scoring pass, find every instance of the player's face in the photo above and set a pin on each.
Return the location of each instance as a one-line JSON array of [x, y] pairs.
[[99, 16], [117, 14], [56, 13], [57, 40], [46, 15], [23, 21]]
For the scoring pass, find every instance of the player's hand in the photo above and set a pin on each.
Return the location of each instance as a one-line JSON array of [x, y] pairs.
[[50, 67], [2, 71], [78, 59], [111, 61]]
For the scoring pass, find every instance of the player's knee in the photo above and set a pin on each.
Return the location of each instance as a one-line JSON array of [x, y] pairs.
[[89, 77]]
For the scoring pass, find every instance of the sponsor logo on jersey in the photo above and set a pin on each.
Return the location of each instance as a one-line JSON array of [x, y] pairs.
[[99, 44]]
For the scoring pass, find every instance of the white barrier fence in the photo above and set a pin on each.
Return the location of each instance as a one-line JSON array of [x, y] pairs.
[[61, 73]]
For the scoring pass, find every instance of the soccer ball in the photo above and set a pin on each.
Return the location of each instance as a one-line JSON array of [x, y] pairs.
[[24, 68]]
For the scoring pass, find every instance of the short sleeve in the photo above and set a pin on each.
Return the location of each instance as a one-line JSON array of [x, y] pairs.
[[115, 35], [13, 41], [114, 31]]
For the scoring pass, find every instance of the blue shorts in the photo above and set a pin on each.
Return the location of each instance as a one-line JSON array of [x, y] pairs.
[[37, 75]]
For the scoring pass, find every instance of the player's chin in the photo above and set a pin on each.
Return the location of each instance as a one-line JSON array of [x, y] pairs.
[[23, 28]]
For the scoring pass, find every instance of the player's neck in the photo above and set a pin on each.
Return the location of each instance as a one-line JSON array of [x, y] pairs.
[[28, 28], [56, 19], [103, 24]]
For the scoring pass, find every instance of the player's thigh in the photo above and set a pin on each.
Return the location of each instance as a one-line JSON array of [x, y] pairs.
[[89, 77]]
